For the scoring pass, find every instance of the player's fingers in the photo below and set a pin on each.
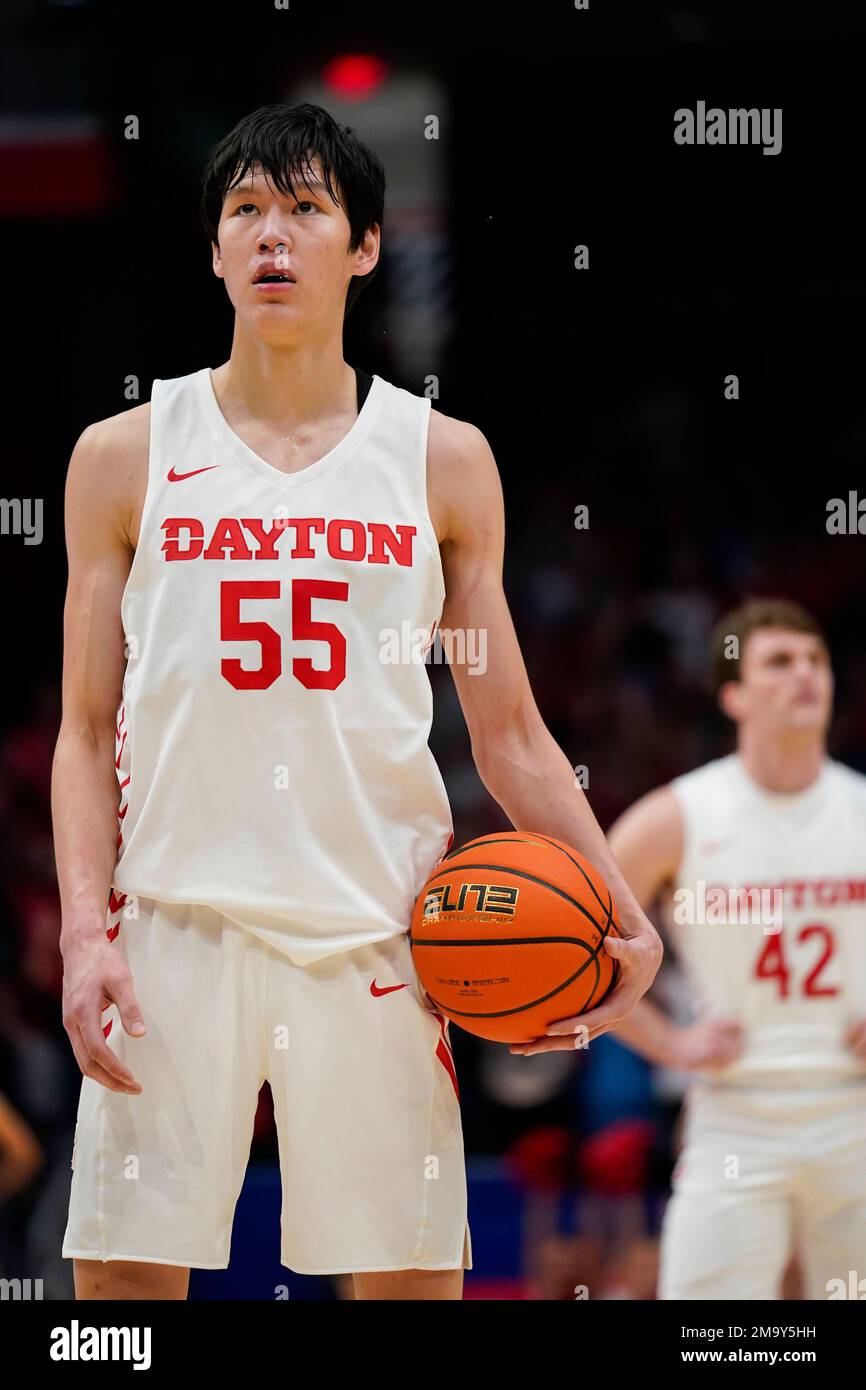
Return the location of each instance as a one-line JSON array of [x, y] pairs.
[[92, 1069], [99, 1055], [720, 1058], [547, 1045], [625, 948], [599, 1020], [586, 1029], [118, 989], [127, 1005], [727, 1033]]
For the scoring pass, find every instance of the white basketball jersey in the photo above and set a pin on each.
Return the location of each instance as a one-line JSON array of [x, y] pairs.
[[795, 990], [272, 737]]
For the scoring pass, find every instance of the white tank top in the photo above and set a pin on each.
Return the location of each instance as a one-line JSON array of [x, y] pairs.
[[795, 991], [272, 737]]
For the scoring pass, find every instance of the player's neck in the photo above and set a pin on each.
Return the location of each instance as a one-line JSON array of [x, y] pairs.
[[782, 765], [285, 388]]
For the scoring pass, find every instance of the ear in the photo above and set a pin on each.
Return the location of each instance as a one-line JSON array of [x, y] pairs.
[[367, 254], [731, 700], [217, 260]]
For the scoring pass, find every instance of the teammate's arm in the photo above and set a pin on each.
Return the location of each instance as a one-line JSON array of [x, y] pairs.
[[21, 1154], [647, 841], [516, 756], [84, 791]]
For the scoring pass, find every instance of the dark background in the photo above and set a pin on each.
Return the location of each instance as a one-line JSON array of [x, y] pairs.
[[602, 387]]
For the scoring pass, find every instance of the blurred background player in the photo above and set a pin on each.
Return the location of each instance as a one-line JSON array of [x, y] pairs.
[[773, 1158]]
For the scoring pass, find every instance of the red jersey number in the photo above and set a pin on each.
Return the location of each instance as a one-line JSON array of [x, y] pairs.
[[234, 629], [772, 963]]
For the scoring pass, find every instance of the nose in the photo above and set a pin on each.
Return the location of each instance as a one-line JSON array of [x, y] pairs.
[[274, 234]]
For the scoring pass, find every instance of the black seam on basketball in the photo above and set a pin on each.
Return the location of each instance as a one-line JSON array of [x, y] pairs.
[[611, 982], [506, 941], [485, 840], [509, 941], [547, 840], [521, 1009], [521, 873]]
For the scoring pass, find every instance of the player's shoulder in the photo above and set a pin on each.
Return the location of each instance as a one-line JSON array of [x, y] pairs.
[[116, 438], [655, 815], [461, 469], [456, 440], [849, 780], [698, 780], [107, 475]]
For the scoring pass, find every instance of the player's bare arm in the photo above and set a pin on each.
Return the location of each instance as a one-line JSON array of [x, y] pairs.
[[105, 485], [647, 842], [517, 758]]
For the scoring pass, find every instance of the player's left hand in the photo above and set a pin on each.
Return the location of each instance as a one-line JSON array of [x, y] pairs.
[[855, 1038], [639, 953]]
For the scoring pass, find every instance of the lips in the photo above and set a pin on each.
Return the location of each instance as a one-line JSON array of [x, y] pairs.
[[269, 273]]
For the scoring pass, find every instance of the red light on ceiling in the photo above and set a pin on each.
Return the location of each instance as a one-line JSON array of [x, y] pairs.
[[355, 76]]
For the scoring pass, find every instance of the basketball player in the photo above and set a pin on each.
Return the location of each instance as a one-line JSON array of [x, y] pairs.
[[773, 1160], [240, 549]]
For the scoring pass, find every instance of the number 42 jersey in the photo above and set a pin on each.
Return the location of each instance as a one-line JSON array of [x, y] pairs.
[[769, 918], [272, 735]]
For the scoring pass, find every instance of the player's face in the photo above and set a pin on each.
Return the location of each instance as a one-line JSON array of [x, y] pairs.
[[256, 219], [785, 685]]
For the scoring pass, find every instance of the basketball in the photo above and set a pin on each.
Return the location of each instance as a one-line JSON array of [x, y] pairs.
[[508, 935]]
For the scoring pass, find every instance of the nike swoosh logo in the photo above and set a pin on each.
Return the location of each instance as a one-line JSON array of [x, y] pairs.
[[389, 989], [174, 477]]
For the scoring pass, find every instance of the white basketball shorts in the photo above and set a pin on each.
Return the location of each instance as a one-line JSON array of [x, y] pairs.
[[764, 1174], [365, 1095]]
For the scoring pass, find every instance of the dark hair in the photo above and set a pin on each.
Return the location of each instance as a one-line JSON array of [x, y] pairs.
[[741, 622], [284, 140]]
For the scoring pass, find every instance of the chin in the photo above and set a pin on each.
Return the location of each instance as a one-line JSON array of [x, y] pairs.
[[814, 719], [273, 328]]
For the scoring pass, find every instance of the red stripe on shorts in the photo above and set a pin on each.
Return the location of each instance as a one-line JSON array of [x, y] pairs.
[[443, 1052]]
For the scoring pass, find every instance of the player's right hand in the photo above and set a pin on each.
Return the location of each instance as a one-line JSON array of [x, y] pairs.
[[715, 1042], [95, 976]]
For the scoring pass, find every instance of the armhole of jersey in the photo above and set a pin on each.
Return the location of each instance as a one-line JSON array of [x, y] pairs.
[[686, 856], [426, 408], [150, 491]]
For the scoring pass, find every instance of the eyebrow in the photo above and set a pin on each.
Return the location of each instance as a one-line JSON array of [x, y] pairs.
[[313, 185]]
